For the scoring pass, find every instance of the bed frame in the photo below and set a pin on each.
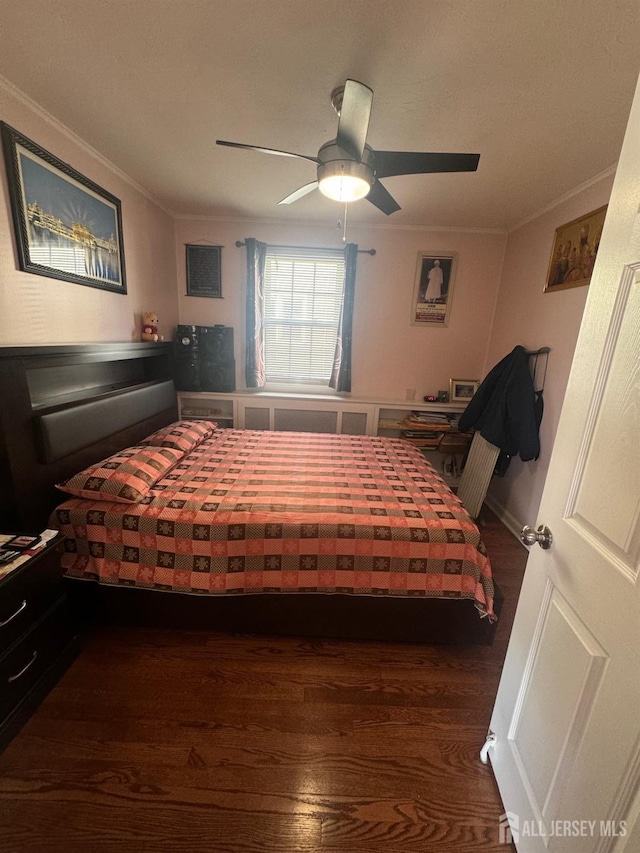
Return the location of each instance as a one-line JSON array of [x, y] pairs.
[[65, 407]]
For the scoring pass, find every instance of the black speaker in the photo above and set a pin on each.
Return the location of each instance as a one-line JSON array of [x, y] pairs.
[[216, 343], [187, 374], [186, 339], [218, 376], [204, 359]]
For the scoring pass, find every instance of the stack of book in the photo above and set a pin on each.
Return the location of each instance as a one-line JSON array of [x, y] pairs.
[[429, 420], [423, 439], [425, 429]]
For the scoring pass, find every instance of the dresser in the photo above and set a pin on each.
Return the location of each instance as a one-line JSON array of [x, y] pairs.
[[38, 639]]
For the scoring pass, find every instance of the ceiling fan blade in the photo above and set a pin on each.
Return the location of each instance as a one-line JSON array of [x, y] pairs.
[[265, 150], [388, 163], [354, 118], [300, 193], [382, 199]]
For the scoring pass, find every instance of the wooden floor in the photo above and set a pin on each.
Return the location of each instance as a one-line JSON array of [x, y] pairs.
[[178, 741]]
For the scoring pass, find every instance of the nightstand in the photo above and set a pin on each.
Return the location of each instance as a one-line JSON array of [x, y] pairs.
[[37, 637]]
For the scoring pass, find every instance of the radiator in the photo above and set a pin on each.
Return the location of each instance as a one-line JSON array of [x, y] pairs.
[[477, 474], [303, 420]]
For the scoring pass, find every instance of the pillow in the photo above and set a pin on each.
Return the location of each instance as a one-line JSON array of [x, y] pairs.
[[182, 435], [125, 477]]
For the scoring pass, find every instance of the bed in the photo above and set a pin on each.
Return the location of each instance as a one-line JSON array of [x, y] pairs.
[[191, 525]]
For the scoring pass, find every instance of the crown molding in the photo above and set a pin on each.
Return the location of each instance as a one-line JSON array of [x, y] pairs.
[[61, 128], [356, 226], [566, 197]]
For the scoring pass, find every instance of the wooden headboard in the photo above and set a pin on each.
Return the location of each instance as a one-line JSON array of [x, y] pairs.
[[65, 407]]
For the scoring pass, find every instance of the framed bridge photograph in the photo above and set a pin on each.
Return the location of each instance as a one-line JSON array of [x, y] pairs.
[[66, 227]]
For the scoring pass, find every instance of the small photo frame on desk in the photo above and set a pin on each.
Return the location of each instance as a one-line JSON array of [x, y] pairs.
[[462, 390]]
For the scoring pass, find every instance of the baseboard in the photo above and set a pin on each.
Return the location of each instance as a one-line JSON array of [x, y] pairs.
[[510, 521]]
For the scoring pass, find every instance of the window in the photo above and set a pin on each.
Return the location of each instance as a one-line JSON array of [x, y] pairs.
[[303, 292]]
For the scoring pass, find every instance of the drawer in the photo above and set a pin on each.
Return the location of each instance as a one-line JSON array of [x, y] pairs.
[[29, 659], [25, 596]]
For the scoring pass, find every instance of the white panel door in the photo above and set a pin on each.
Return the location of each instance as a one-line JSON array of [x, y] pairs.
[[567, 713]]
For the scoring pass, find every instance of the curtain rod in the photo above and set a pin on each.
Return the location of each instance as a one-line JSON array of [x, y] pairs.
[[239, 243]]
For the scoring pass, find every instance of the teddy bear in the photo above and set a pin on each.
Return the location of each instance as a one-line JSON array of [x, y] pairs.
[[150, 327]]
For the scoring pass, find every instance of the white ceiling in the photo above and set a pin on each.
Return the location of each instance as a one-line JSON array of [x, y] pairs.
[[542, 90]]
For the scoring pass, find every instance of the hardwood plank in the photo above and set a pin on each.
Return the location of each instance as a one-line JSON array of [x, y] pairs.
[[299, 789], [103, 828], [439, 695], [432, 835]]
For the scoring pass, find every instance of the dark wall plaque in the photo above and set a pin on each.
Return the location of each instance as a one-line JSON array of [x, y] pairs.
[[204, 276]]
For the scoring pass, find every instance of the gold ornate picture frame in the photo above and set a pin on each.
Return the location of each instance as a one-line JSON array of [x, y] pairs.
[[574, 251]]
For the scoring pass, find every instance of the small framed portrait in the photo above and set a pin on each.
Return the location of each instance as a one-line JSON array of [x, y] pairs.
[[462, 390], [574, 251], [433, 288]]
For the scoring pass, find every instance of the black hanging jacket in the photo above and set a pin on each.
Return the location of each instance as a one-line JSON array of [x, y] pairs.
[[505, 409]]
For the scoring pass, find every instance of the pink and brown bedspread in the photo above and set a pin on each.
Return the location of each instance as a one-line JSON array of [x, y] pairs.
[[242, 511]]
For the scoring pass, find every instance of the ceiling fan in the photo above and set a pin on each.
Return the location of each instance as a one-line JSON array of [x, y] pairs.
[[349, 169]]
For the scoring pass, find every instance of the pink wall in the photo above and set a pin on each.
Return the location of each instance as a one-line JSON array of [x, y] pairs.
[[36, 309], [526, 315], [389, 354]]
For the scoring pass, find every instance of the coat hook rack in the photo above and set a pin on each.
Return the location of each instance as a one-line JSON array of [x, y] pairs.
[[534, 355]]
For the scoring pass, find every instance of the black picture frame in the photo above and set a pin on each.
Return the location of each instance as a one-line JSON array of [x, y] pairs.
[[204, 270], [433, 288], [66, 226]]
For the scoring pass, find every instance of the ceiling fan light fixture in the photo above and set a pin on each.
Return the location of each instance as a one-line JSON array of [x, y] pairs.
[[344, 187], [344, 180], [349, 169]]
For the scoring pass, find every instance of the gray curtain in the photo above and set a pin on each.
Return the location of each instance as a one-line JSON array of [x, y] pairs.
[[254, 371], [341, 372]]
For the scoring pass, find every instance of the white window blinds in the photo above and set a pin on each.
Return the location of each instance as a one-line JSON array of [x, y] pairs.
[[303, 292]]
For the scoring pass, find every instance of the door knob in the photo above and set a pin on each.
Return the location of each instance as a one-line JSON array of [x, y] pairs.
[[542, 536]]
